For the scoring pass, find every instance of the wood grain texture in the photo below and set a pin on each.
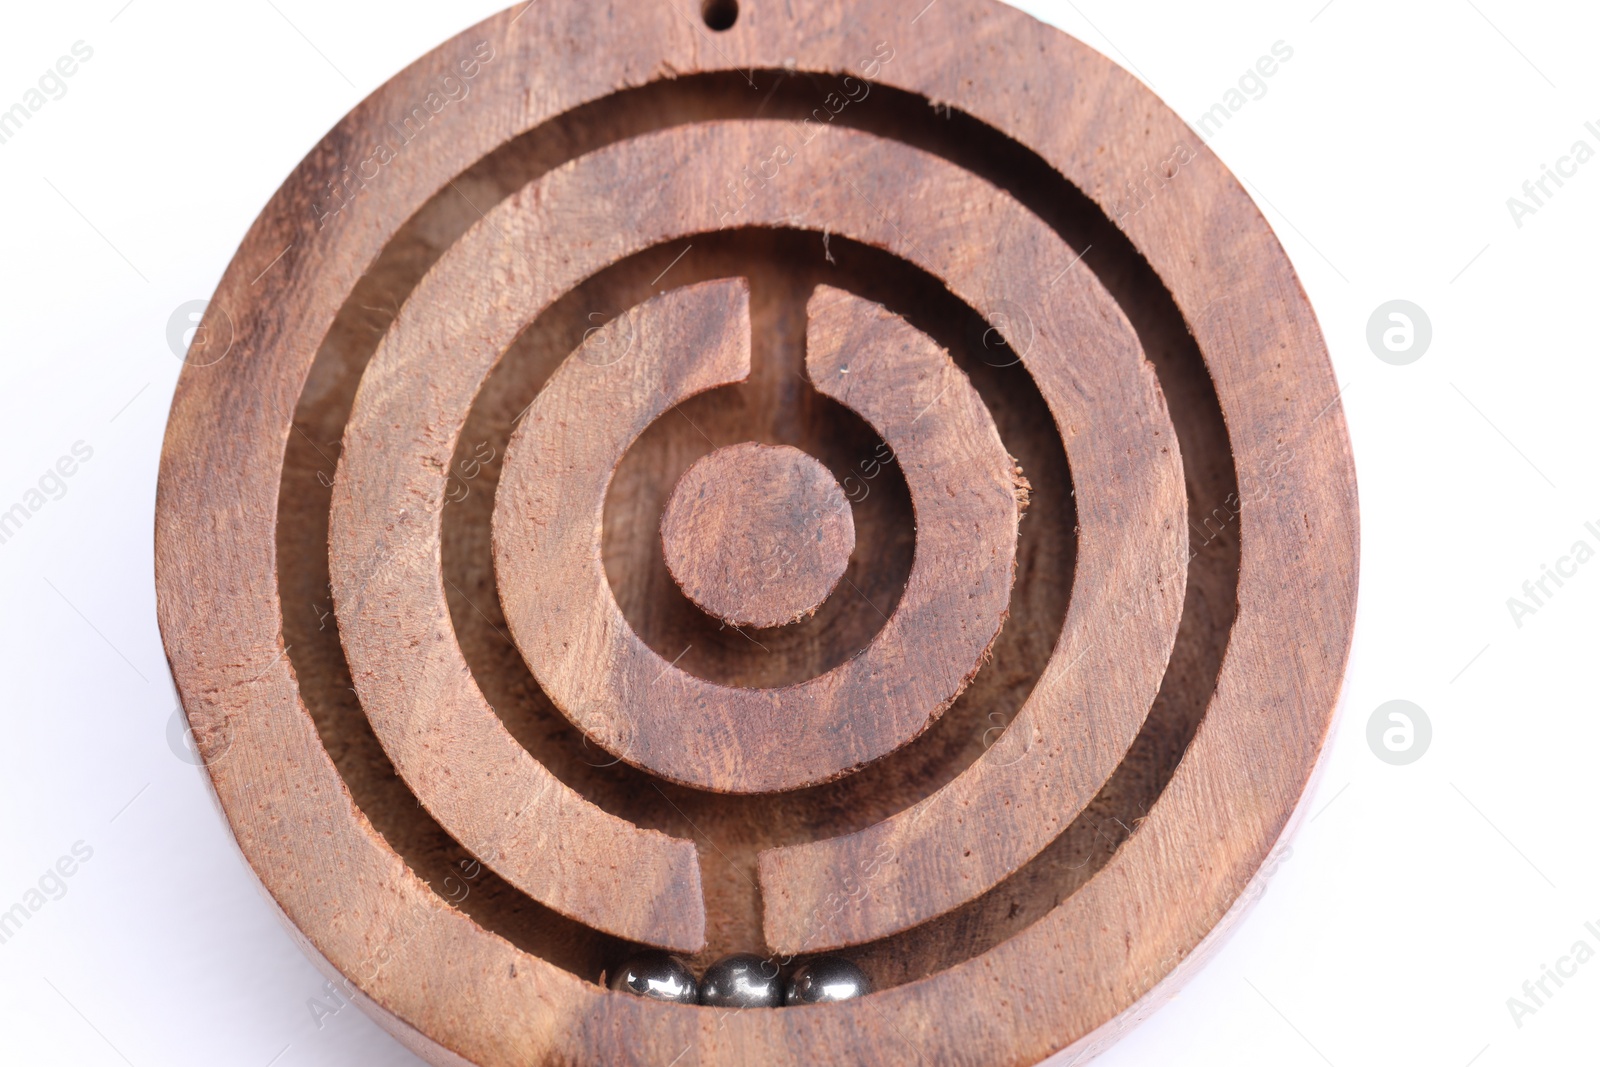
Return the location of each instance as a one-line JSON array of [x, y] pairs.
[[631, 700], [757, 535], [508, 810], [1067, 982], [1086, 708], [741, 826]]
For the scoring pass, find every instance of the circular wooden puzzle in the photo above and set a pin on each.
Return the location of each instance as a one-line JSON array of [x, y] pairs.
[[831, 482]]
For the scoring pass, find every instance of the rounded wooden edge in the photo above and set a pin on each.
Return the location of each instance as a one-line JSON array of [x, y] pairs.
[[218, 654]]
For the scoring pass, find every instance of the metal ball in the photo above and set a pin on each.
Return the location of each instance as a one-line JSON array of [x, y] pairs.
[[742, 981], [826, 981], [658, 976]]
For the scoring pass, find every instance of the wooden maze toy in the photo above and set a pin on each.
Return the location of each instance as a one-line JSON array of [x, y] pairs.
[[850, 485]]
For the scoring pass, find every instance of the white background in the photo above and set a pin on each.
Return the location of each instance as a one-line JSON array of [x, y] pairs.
[[1417, 898]]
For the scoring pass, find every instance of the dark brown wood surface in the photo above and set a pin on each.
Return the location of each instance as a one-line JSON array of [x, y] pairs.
[[632, 700], [389, 495], [1184, 692], [1086, 707], [758, 535]]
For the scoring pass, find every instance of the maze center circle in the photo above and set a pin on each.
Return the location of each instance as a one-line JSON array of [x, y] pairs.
[[757, 535]]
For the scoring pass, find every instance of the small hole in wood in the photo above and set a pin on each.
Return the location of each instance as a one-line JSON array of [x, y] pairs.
[[720, 14]]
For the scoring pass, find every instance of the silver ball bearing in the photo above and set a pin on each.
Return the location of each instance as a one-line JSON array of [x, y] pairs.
[[659, 976], [742, 981], [826, 981]]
